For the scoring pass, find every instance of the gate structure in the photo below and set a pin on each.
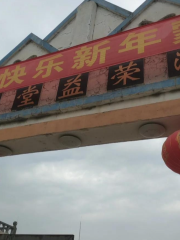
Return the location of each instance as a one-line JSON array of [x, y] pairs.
[[103, 75]]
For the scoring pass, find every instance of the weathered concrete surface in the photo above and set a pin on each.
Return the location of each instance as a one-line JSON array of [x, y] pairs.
[[84, 23], [155, 68], [6, 101], [97, 82], [63, 38], [105, 23], [48, 93]]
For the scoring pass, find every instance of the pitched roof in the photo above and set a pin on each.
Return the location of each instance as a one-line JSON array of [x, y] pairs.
[[129, 17], [113, 8], [101, 3], [137, 12], [30, 37]]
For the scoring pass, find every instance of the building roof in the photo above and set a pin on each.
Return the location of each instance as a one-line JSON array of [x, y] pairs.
[[127, 15], [101, 3], [31, 37], [137, 12]]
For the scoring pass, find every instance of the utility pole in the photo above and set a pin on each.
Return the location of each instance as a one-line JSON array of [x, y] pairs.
[[80, 231]]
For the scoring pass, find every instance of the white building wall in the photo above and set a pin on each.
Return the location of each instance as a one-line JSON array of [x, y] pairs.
[[154, 13], [63, 39], [85, 21], [105, 23], [79, 30], [30, 49]]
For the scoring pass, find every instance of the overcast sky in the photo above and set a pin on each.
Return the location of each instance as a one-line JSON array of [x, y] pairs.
[[118, 191]]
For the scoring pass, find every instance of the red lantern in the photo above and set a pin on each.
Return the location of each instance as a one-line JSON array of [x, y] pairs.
[[171, 152]]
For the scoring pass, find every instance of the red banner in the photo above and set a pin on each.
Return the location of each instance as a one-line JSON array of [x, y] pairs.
[[134, 44]]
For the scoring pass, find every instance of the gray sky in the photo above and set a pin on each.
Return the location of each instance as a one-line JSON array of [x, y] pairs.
[[118, 191]]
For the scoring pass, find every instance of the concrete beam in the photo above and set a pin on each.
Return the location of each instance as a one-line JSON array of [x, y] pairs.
[[104, 127]]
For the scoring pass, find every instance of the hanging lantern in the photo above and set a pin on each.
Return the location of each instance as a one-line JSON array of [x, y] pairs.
[[171, 152]]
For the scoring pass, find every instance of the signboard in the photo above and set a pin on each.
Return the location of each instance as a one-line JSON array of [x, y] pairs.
[[173, 59], [123, 48], [35, 237], [71, 87], [126, 74], [27, 97], [122, 75]]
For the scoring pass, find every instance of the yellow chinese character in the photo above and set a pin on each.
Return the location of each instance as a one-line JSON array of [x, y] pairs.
[[27, 95], [89, 55], [176, 31], [46, 66], [139, 41], [176, 62], [124, 73], [8, 77], [72, 91]]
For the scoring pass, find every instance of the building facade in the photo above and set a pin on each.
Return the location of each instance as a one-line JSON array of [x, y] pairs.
[[34, 128]]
